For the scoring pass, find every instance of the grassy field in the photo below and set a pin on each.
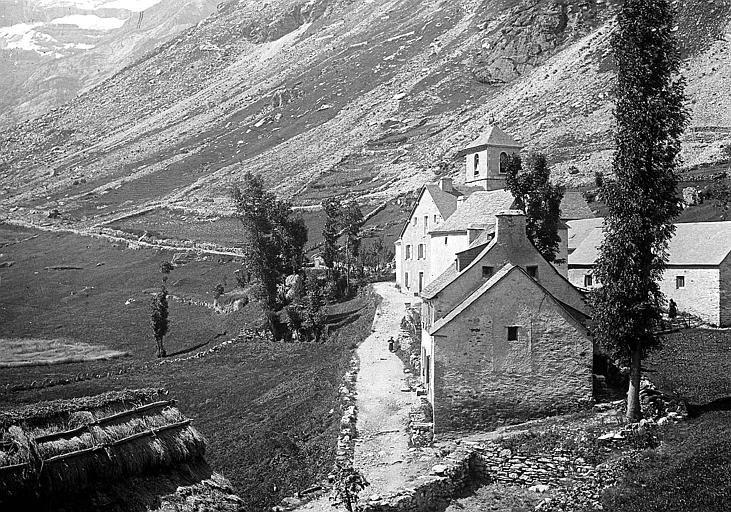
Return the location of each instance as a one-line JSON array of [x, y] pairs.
[[693, 363], [264, 407], [691, 472]]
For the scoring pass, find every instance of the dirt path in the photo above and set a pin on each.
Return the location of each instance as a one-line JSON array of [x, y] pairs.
[[382, 446], [381, 450]]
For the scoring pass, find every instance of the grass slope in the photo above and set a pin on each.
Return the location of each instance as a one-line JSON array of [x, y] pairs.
[[264, 407]]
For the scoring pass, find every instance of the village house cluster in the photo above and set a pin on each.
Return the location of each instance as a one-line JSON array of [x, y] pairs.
[[505, 333]]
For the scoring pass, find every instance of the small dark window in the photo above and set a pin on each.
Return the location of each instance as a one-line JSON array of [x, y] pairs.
[[513, 333], [421, 251], [428, 369], [446, 240], [532, 271], [504, 161], [679, 282], [477, 165], [487, 272], [588, 281], [436, 219], [406, 279]]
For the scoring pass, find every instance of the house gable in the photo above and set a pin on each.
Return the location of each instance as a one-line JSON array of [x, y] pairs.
[[509, 350], [509, 245]]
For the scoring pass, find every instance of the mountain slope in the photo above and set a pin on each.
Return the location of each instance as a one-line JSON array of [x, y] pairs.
[[50, 50], [368, 98]]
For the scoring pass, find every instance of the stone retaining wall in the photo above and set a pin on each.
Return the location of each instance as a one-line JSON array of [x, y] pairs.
[[480, 463], [429, 492]]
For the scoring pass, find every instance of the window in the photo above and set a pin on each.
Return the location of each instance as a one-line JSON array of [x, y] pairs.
[[426, 223], [414, 221], [532, 271], [513, 333], [406, 279], [504, 161], [421, 251], [428, 368], [487, 272], [588, 281], [477, 165], [679, 282], [421, 281], [436, 219], [408, 252], [446, 240]]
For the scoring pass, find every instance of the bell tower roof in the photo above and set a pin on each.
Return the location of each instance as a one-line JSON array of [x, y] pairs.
[[493, 136]]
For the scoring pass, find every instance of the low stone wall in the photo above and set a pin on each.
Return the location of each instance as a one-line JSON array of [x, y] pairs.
[[493, 463], [481, 463], [430, 492]]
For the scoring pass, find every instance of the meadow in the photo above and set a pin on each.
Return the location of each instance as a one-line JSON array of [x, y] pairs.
[[268, 410]]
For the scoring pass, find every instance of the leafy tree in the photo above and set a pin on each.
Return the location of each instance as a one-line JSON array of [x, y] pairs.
[[274, 245], [331, 231], [314, 316], [720, 192], [274, 242], [159, 319], [352, 222], [641, 201], [539, 199], [165, 268], [348, 483]]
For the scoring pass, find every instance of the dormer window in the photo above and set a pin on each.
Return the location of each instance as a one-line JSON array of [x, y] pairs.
[[532, 271], [477, 164]]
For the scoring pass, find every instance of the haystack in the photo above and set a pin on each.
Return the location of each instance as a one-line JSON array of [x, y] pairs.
[[129, 450]]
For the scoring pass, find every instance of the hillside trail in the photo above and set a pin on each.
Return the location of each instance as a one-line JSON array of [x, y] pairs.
[[381, 450]]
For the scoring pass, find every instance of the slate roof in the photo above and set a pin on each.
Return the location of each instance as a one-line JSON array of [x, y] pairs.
[[694, 243], [477, 211], [493, 136], [574, 206], [581, 228], [446, 202], [439, 282], [579, 317]]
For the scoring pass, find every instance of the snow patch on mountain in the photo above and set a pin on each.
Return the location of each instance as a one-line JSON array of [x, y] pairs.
[[90, 22], [24, 36]]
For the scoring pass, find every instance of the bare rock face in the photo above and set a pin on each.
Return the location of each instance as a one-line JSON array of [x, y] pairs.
[[533, 31]]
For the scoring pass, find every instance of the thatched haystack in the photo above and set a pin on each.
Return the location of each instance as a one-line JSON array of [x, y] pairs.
[[129, 450]]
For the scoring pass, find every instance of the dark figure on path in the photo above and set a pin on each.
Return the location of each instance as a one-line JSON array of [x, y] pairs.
[[390, 344]]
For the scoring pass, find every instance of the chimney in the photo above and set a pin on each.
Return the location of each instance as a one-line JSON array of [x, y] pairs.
[[510, 228], [446, 184]]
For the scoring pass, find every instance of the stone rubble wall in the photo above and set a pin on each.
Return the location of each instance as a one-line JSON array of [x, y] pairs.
[[482, 463]]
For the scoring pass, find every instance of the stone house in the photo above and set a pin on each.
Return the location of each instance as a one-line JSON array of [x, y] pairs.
[[503, 335], [448, 220], [698, 272], [434, 204]]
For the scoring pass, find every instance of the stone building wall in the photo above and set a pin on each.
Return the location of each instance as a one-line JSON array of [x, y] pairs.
[[725, 292], [442, 254], [482, 380], [416, 234], [699, 297]]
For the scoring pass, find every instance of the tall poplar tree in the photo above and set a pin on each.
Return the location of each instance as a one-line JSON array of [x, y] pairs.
[[641, 199]]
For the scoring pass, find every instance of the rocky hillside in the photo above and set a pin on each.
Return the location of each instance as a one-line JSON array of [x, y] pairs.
[[367, 98], [50, 50]]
